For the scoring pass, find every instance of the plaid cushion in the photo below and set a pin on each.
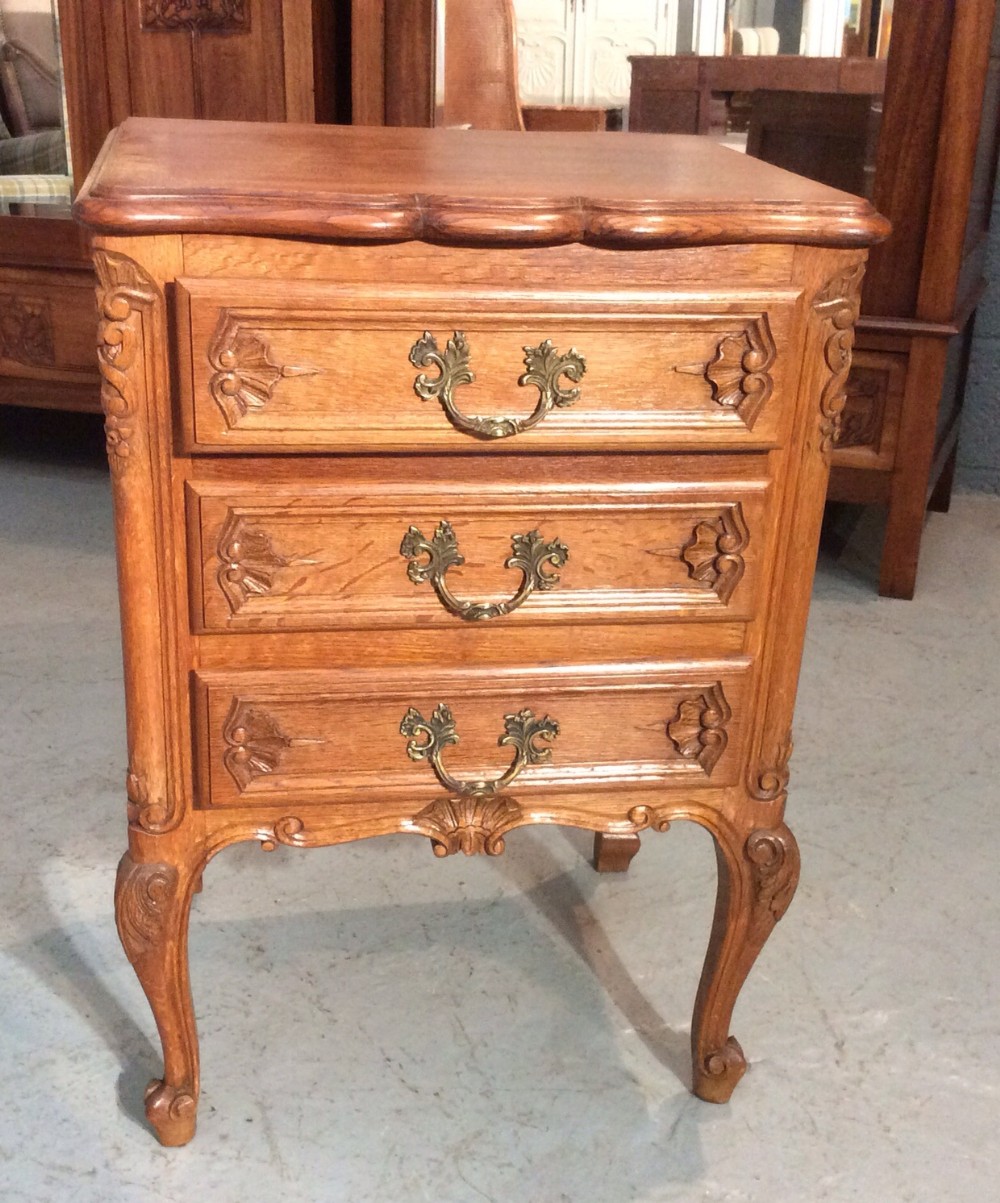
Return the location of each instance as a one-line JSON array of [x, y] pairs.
[[28, 189], [43, 153]]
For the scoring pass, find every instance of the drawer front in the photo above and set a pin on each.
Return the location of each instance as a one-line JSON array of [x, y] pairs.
[[275, 738], [321, 367], [618, 540]]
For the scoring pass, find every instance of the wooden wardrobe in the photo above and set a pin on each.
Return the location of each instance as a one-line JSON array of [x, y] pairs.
[[253, 60]]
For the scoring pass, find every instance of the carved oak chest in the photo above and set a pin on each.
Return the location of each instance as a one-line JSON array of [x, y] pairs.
[[459, 488]]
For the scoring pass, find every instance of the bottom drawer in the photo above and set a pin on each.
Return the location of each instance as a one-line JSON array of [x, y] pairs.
[[268, 738]]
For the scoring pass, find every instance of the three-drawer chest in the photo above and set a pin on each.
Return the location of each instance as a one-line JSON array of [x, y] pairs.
[[462, 481]]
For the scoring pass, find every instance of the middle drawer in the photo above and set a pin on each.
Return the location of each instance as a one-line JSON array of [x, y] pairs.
[[433, 542]]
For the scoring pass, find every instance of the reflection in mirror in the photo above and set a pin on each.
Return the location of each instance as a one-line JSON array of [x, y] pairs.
[[35, 174]]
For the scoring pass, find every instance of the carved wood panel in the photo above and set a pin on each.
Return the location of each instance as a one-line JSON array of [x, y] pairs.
[[313, 367], [312, 555], [869, 423], [197, 16], [312, 737]]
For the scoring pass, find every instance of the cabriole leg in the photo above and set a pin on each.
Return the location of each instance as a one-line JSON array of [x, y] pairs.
[[758, 874], [152, 906]]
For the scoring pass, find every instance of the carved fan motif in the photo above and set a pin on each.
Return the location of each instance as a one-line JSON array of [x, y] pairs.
[[698, 729], [740, 373], [254, 743], [713, 553], [248, 562], [245, 374]]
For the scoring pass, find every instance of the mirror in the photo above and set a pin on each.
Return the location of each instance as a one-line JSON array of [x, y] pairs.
[[35, 169]]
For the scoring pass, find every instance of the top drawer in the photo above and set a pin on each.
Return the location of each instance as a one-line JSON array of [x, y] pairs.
[[313, 367]]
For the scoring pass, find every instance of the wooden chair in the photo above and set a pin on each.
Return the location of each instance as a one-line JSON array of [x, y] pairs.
[[480, 65]]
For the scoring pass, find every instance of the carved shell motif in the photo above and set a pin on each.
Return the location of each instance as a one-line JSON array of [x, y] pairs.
[[713, 554], [470, 824], [698, 729], [740, 372]]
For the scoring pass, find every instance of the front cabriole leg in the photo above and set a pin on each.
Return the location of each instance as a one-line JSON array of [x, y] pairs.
[[152, 906], [758, 873]]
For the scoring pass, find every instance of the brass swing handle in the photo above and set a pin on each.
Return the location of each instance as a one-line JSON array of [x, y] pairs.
[[545, 366], [528, 552], [427, 739]]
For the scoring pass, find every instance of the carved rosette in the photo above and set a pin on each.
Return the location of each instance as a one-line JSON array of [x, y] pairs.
[[196, 16], [254, 743], [838, 303], [26, 330], [739, 374], [248, 562], [470, 824], [770, 783], [714, 553], [144, 895], [124, 292], [244, 374], [698, 729]]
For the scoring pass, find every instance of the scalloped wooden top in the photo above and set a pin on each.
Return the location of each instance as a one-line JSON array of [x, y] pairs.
[[468, 187]]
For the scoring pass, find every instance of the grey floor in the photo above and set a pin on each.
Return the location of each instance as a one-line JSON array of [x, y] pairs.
[[378, 1025]]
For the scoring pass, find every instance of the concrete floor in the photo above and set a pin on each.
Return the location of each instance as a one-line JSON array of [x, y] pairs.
[[378, 1025]]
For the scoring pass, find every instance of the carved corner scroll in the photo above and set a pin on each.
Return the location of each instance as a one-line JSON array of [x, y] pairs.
[[838, 303], [714, 553], [245, 375], [769, 783], [254, 743], [26, 330], [470, 824], [196, 16], [126, 297], [124, 292], [739, 374], [698, 729], [529, 553], [545, 368]]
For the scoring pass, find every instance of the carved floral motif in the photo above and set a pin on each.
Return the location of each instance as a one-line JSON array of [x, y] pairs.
[[740, 372], [245, 376], [124, 291], [214, 16], [838, 303], [26, 330], [698, 729], [713, 554]]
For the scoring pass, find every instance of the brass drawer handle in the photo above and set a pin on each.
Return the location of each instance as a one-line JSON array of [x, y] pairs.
[[528, 552], [522, 731], [545, 366]]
